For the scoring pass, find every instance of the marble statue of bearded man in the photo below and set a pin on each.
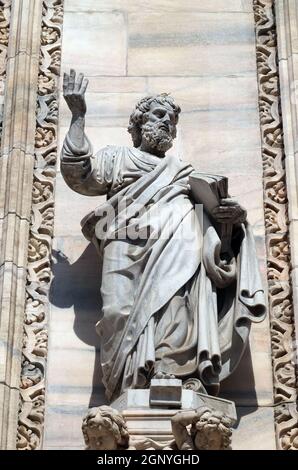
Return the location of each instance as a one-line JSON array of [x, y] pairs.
[[171, 304]]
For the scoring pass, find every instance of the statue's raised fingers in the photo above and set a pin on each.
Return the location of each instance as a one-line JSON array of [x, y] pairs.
[[78, 82], [84, 86], [65, 82], [72, 78]]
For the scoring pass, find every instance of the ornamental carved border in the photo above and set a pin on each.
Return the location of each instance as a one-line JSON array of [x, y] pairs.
[[277, 230], [32, 386], [5, 10]]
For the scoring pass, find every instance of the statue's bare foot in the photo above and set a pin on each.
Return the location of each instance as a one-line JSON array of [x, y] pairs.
[[163, 375]]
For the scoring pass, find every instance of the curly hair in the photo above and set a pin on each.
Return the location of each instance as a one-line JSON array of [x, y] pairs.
[[209, 421], [142, 107], [109, 418]]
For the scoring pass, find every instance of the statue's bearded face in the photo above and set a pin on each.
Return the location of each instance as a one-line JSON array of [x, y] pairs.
[[159, 128]]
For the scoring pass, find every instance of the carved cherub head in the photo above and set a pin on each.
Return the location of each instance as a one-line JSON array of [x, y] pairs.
[[105, 429], [152, 124], [212, 430]]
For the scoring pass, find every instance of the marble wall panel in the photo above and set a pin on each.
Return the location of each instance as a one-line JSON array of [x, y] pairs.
[[63, 430], [203, 53], [73, 376], [95, 42], [254, 430], [203, 44], [70, 210], [165, 6]]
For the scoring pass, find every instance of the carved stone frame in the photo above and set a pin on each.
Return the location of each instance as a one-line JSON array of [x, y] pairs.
[[278, 226], [27, 176], [32, 384]]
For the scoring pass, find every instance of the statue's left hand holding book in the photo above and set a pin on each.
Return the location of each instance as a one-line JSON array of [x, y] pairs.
[[212, 192]]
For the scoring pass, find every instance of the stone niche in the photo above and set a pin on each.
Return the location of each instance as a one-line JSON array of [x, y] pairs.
[[204, 54]]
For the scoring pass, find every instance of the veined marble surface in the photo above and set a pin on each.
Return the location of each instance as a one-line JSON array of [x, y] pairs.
[[203, 53]]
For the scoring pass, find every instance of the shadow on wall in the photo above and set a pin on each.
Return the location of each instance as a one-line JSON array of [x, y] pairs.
[[240, 387], [78, 285]]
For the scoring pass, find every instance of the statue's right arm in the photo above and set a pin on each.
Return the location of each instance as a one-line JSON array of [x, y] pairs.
[[77, 160]]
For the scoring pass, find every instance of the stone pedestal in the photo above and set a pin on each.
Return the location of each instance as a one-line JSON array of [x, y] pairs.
[[152, 424]]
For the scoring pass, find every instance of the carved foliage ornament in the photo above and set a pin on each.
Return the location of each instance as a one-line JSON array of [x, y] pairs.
[[277, 232], [5, 9], [32, 385]]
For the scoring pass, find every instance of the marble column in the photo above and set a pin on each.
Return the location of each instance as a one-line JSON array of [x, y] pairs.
[[16, 170]]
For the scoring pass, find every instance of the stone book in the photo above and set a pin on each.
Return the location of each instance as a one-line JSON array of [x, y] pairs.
[[209, 190]]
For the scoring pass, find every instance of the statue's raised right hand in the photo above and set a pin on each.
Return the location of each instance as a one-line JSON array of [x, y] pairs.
[[74, 89]]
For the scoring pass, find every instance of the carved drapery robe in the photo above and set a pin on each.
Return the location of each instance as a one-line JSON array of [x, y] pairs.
[[169, 303]]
